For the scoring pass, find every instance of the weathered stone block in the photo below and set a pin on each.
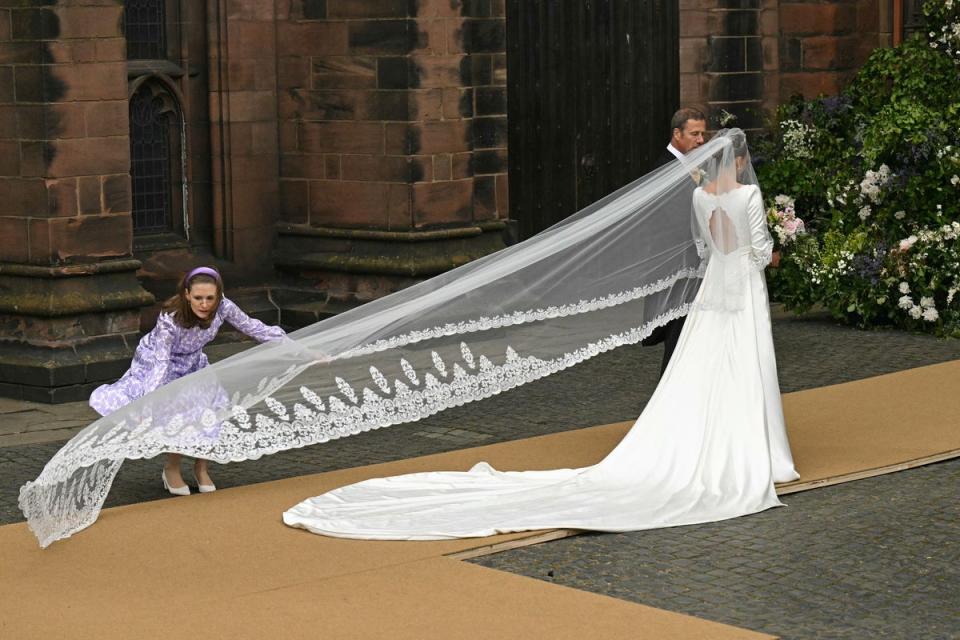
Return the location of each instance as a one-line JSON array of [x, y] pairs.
[[382, 36], [34, 24], [381, 168], [9, 158], [66, 240], [727, 87], [438, 8], [351, 9], [439, 203], [87, 156], [350, 72], [484, 198], [14, 240], [334, 202], [438, 71], [396, 72], [312, 38], [90, 22], [331, 167], [727, 53], [341, 137], [8, 123], [818, 19], [476, 8], [740, 23], [491, 101], [442, 167], [829, 53], [457, 103], [503, 196], [294, 201], [486, 161], [89, 194], [23, 196], [7, 85], [484, 36], [117, 197], [490, 132], [315, 9], [63, 200], [445, 137]]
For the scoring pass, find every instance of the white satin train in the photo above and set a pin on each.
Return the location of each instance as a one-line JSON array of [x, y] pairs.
[[709, 445]]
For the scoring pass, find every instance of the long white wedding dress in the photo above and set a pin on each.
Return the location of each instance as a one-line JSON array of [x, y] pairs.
[[709, 445]]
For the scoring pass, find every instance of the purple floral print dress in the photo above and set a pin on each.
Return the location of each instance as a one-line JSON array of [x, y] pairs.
[[170, 351]]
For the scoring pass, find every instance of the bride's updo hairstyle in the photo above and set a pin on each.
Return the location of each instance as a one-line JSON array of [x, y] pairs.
[[179, 305], [729, 164]]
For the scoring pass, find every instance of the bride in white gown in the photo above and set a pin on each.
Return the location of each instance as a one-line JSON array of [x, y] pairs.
[[709, 445]]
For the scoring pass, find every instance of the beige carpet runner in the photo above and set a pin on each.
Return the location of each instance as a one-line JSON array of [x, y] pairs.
[[224, 565]]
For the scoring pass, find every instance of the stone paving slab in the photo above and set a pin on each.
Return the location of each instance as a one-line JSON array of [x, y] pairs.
[[876, 558], [614, 387]]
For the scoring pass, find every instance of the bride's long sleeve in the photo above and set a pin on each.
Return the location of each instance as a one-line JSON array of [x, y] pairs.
[[761, 242]]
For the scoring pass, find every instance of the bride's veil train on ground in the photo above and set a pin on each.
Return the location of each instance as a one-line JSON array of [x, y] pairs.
[[602, 278], [709, 445]]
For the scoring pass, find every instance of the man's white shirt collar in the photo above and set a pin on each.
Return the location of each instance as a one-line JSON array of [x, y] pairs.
[[694, 172]]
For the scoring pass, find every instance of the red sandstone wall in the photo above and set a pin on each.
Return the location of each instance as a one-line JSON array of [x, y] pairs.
[[64, 150], [390, 120], [748, 65]]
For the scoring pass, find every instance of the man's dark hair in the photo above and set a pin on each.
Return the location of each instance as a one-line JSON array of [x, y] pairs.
[[679, 119]]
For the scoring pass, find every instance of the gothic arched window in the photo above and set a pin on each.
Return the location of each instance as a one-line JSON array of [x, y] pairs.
[[156, 161], [146, 29]]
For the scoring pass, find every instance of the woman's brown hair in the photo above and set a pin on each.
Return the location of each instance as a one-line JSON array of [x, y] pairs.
[[179, 305]]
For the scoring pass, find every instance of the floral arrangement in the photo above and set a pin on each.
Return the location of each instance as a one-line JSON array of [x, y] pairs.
[[926, 266], [876, 173], [943, 18]]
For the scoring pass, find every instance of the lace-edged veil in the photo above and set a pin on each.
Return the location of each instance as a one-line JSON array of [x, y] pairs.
[[606, 276]]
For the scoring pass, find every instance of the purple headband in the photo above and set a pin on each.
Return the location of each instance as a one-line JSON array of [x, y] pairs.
[[206, 271]]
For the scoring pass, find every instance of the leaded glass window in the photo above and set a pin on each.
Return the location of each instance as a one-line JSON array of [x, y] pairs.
[[146, 29], [913, 18], [151, 122]]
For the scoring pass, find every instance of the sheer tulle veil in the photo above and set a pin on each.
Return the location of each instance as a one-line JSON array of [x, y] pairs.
[[602, 278]]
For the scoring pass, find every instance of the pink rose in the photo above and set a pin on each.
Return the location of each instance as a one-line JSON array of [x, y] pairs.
[[906, 243]]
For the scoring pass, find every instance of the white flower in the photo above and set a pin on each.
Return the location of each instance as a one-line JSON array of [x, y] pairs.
[[905, 302], [930, 314], [904, 288], [882, 300], [926, 302], [955, 180], [726, 117], [784, 201], [915, 312], [950, 294], [864, 212], [797, 138], [900, 215]]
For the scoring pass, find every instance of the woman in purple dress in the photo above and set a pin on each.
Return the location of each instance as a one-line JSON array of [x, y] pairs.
[[187, 322]]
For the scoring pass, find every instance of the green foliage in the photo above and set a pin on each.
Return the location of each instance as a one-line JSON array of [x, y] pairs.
[[874, 174]]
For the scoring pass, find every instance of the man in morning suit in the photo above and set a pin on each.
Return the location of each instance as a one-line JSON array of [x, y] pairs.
[[688, 129]]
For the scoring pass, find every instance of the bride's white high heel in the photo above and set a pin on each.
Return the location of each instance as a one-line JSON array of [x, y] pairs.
[[177, 491], [204, 488]]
